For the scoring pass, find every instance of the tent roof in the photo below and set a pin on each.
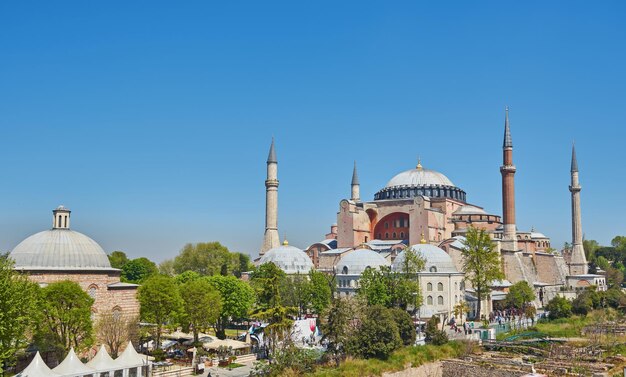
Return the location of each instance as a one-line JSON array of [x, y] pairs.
[[130, 358], [37, 368], [102, 360], [72, 365], [228, 343]]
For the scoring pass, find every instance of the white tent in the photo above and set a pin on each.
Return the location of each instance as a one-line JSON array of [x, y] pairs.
[[102, 362], [130, 358], [37, 368], [72, 366]]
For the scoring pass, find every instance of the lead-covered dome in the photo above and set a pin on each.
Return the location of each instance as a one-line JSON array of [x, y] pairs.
[[420, 182], [289, 259], [437, 260], [59, 249], [356, 262]]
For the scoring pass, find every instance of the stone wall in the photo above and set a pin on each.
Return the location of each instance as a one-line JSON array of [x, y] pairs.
[[460, 368]]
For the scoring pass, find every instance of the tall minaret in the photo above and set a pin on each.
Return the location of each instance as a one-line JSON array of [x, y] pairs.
[[509, 238], [578, 263], [271, 239], [356, 195]]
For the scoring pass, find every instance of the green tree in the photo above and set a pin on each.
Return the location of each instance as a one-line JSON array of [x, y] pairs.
[[375, 286], [202, 305], [118, 259], [138, 270], [65, 318], [432, 333], [590, 247], [18, 309], [481, 264], [378, 334], [241, 263], [406, 328], [619, 242], [268, 280], [167, 267], [338, 325], [115, 330], [559, 307], [237, 300], [186, 277], [582, 304], [205, 258], [160, 303], [520, 295], [320, 292]]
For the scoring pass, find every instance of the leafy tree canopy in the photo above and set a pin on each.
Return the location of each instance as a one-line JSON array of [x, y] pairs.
[[520, 295], [202, 305], [138, 270], [118, 259], [559, 307], [210, 258], [160, 302]]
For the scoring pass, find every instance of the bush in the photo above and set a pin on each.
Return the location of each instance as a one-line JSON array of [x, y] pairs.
[[378, 334], [582, 305], [159, 355], [559, 307], [405, 326], [435, 336]]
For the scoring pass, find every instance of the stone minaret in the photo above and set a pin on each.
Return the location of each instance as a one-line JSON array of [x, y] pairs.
[[356, 195], [578, 263], [61, 218], [271, 239], [509, 238]]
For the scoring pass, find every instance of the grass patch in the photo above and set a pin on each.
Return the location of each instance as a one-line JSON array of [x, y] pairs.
[[564, 327], [399, 360], [233, 366]]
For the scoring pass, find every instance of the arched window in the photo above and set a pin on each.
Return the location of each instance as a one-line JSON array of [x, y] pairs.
[[394, 235], [345, 270], [456, 299], [402, 235], [117, 312], [440, 300], [92, 290], [386, 235], [429, 286], [386, 225], [440, 287], [60, 226], [429, 300], [433, 269]]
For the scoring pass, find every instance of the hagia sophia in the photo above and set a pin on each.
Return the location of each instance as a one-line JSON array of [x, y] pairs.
[[419, 208], [422, 208]]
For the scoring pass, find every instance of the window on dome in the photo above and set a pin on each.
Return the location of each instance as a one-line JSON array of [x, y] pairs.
[[433, 269], [345, 270], [440, 287]]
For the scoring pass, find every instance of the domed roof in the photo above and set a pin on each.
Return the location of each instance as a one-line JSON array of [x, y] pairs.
[[59, 249], [437, 260], [289, 259], [357, 261], [419, 177]]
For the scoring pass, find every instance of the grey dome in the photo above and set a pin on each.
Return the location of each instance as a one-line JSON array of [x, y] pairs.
[[420, 182], [435, 257], [357, 261], [469, 210], [59, 249], [419, 177], [289, 259]]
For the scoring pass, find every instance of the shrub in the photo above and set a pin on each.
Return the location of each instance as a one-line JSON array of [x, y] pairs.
[[559, 307], [433, 334], [378, 334]]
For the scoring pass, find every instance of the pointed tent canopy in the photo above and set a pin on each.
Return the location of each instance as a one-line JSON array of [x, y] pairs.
[[37, 368], [130, 358], [72, 366], [102, 361]]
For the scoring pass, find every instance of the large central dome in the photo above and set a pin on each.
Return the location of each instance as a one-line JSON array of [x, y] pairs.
[[420, 182], [59, 248]]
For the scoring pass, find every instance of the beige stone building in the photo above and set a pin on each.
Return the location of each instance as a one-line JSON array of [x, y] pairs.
[[61, 253]]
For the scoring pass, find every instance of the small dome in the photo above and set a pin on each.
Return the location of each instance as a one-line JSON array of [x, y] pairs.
[[419, 177], [437, 260], [289, 259], [535, 235], [469, 210], [357, 261], [59, 249]]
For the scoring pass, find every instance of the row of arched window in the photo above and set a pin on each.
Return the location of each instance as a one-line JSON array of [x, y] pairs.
[[429, 300]]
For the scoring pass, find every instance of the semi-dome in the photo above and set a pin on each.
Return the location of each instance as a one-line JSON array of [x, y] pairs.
[[420, 182], [59, 248], [357, 261], [469, 210], [437, 260], [289, 259]]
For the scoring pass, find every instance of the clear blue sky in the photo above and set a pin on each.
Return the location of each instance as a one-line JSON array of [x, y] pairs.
[[152, 120]]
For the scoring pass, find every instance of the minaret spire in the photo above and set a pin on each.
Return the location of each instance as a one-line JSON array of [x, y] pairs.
[[356, 187], [271, 238], [509, 238], [578, 261]]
